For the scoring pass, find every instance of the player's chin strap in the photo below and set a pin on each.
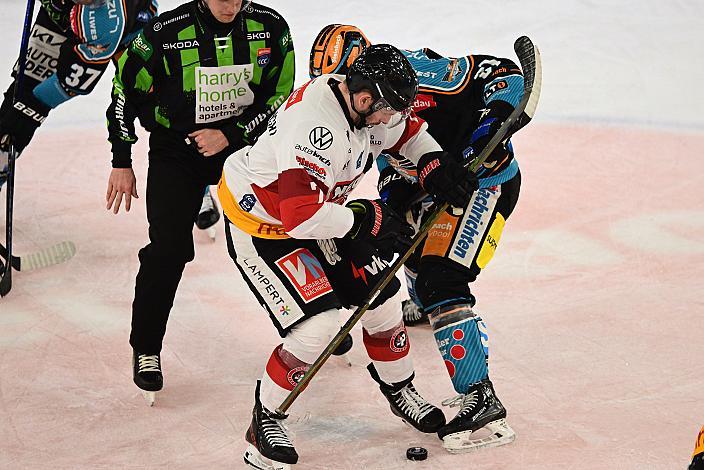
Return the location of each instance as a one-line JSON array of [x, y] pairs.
[[362, 114]]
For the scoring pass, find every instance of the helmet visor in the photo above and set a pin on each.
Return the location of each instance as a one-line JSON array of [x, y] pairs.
[[397, 115]]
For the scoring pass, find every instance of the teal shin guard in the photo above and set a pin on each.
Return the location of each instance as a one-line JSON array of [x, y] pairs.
[[463, 343]]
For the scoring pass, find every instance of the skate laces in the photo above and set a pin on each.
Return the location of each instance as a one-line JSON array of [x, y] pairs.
[[148, 363], [275, 431], [465, 402], [412, 404]]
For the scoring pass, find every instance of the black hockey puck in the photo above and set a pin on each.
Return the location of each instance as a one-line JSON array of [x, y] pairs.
[[416, 453]]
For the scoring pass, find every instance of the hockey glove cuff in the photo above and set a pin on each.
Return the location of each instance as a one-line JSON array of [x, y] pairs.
[[396, 191], [446, 180], [377, 224], [19, 124]]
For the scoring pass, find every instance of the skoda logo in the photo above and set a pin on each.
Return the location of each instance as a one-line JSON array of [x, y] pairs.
[[157, 26], [320, 138]]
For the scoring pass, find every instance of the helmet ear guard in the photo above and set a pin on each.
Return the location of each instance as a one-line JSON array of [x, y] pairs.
[[335, 49]]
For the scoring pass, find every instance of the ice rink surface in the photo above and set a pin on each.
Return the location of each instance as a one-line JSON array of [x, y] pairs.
[[593, 301]]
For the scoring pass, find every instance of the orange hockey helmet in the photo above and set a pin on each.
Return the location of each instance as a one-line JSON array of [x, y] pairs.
[[335, 48]]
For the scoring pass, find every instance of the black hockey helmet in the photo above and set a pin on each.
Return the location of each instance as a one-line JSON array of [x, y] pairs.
[[385, 72]]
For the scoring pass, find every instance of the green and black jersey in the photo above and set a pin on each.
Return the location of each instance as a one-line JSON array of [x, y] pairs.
[[186, 71]]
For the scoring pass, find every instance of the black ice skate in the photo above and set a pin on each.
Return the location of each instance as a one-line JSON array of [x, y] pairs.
[[481, 421], [407, 404], [146, 373], [413, 314], [208, 215], [269, 446]]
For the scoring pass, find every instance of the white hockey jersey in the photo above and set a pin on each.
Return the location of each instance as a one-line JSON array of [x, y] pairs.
[[294, 181]]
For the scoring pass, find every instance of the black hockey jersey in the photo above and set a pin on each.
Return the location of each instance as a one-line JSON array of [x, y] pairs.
[[464, 100]]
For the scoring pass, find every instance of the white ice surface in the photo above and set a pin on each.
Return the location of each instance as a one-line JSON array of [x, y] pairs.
[[593, 300]]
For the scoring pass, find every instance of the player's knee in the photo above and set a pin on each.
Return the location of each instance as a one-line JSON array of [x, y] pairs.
[[307, 339], [439, 283], [383, 318]]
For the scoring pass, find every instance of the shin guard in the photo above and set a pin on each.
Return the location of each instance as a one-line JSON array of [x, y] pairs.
[[463, 343]]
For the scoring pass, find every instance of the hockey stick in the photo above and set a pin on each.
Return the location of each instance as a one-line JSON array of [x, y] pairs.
[[43, 258], [529, 56], [6, 276]]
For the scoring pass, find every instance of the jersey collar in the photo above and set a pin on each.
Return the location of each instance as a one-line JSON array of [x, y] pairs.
[[335, 86]]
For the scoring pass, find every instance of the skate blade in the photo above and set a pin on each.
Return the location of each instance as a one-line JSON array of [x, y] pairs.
[[254, 459], [500, 433], [346, 359], [149, 397]]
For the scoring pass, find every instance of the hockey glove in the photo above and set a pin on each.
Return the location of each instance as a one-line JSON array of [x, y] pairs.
[[396, 191], [446, 180], [377, 224], [21, 119], [493, 116]]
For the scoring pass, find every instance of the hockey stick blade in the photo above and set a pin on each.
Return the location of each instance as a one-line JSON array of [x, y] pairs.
[[43, 258], [529, 57]]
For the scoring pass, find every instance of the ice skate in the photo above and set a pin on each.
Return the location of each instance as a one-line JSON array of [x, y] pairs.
[[412, 313], [409, 405], [208, 215], [481, 421], [146, 373], [269, 445]]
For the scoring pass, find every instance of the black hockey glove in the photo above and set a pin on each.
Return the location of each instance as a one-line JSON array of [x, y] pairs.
[[377, 224], [446, 180], [396, 191], [493, 116], [20, 120]]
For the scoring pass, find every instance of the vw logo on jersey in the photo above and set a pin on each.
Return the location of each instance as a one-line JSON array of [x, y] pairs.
[[320, 138]]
